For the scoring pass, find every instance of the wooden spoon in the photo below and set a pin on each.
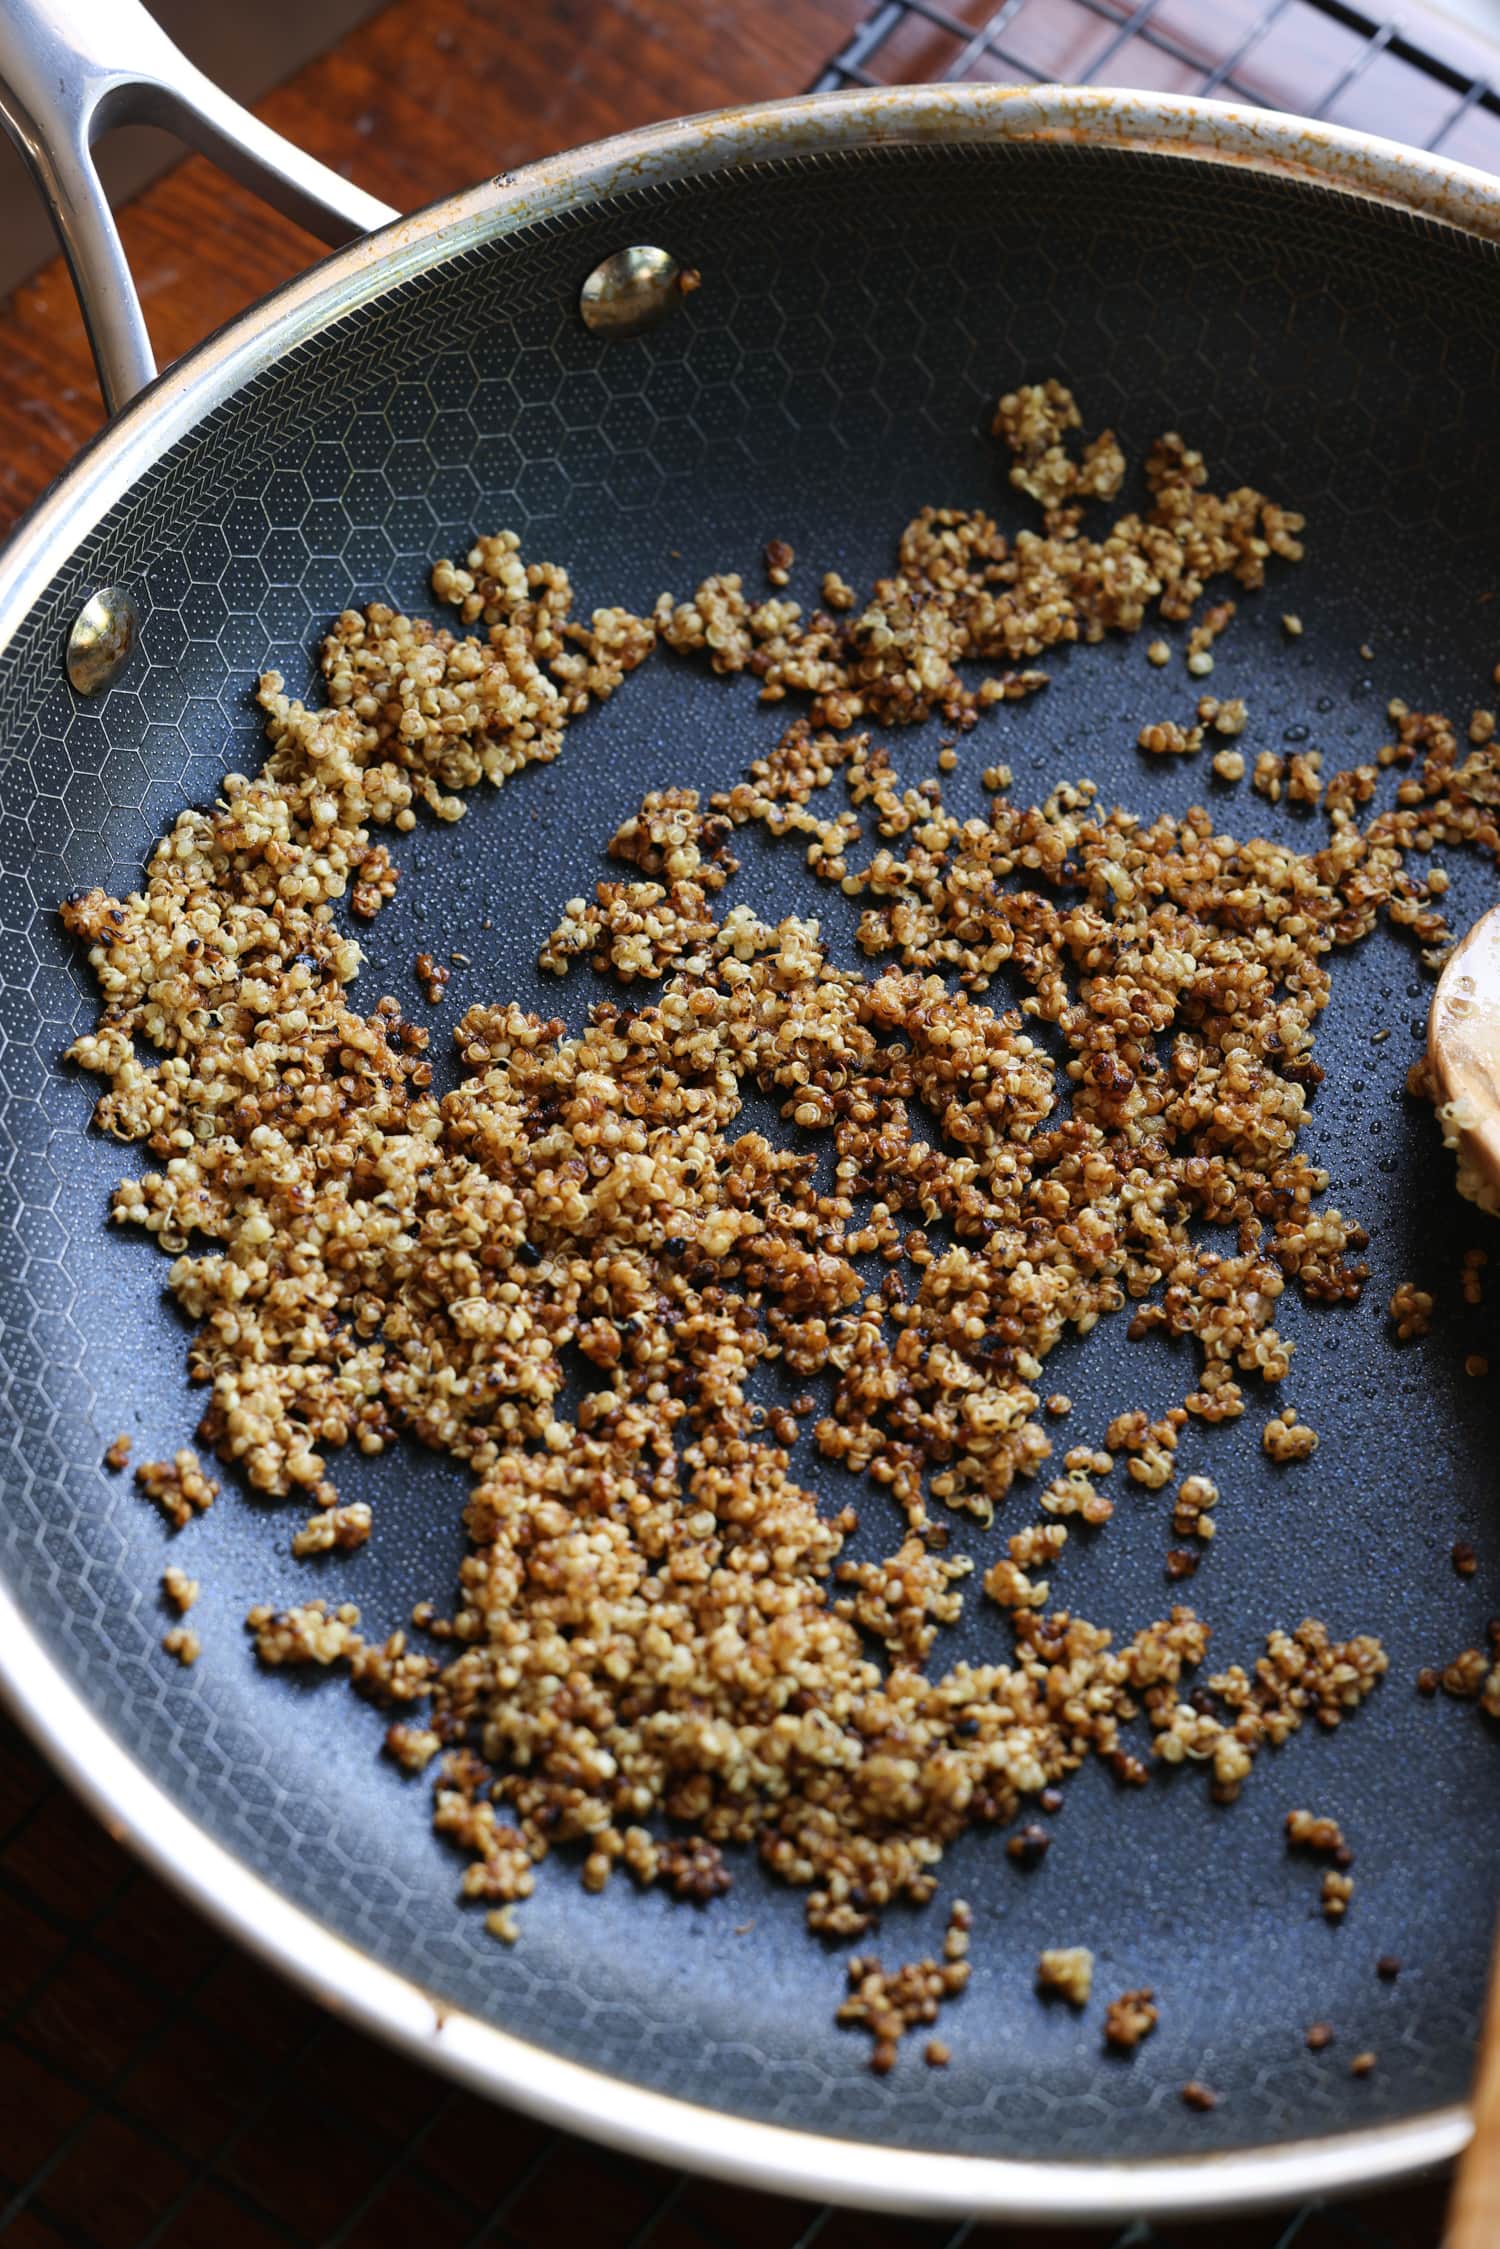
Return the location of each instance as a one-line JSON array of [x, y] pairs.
[[1474, 2212], [1463, 1058]]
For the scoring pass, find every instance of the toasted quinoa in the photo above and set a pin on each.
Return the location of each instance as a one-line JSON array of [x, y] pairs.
[[658, 1619]]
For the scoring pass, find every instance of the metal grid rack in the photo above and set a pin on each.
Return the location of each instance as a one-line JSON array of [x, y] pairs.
[[164, 2092], [1426, 81]]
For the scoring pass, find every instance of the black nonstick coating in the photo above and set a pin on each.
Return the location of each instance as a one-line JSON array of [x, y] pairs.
[[833, 373]]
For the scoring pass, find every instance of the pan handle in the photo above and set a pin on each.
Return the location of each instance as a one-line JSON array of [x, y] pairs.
[[69, 69]]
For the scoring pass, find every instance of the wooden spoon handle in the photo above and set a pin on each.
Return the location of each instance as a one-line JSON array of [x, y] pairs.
[[1463, 1055], [1474, 2213]]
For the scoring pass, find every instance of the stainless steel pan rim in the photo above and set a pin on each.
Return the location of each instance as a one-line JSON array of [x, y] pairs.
[[136, 1811]]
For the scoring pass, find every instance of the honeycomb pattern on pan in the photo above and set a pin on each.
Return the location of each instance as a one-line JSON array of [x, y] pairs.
[[830, 376]]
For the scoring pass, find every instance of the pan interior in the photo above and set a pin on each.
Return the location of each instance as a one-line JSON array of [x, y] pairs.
[[832, 375]]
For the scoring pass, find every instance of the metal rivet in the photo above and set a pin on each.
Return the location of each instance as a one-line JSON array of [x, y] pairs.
[[101, 640], [630, 291]]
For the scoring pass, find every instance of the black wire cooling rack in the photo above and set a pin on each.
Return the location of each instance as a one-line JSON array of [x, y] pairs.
[[1426, 80], [158, 2090]]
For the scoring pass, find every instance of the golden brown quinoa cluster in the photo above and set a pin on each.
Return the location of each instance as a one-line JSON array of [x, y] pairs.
[[179, 1486], [1411, 1310], [1129, 2019], [180, 1589], [1285, 1438], [1474, 1676], [1311, 1831], [964, 593], [1335, 1892], [888, 2003], [655, 1616], [1308, 1831], [1067, 1970]]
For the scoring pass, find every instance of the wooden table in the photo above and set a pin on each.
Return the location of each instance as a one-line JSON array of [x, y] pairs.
[[158, 2090], [425, 97]]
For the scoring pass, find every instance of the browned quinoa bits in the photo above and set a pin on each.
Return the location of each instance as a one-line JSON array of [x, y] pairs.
[[361, 1257]]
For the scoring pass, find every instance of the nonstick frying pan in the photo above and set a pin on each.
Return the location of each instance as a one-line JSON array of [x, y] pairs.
[[1322, 316]]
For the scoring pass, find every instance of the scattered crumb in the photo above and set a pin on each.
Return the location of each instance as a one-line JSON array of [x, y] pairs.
[[1228, 717], [344, 1528], [937, 2053], [1337, 1890], [311, 1633], [179, 1486], [1158, 652], [1167, 739], [1305, 1831], [1269, 774], [118, 1453], [1476, 1364], [1213, 621], [889, 2003], [412, 1747], [1192, 1514], [1029, 1846], [1318, 2036], [1411, 1310], [1291, 625], [1362, 2065], [432, 976], [183, 1643], [1465, 1559], [501, 1922], [779, 558], [1229, 764], [181, 1590], [1388, 1967], [1304, 783], [1069, 1971], [1129, 2019], [1196, 2096], [1473, 1676], [1285, 1438], [1475, 1260]]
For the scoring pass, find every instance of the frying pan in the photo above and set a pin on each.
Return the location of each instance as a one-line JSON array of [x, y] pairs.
[[1322, 316]]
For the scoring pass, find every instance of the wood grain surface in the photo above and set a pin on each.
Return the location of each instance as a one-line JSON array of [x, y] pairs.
[[425, 97]]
